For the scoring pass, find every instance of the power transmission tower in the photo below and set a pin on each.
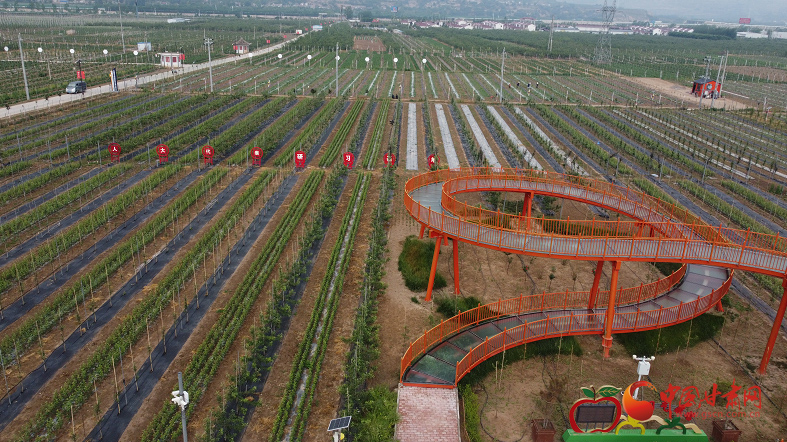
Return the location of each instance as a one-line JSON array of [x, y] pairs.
[[551, 30], [603, 52]]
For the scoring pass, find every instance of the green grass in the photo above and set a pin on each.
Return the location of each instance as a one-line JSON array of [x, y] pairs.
[[672, 338], [667, 268], [379, 417], [415, 263], [453, 305]]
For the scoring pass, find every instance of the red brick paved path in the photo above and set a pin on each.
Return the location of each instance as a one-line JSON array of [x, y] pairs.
[[428, 415]]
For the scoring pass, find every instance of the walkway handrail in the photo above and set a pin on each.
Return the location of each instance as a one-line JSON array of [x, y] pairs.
[[534, 303], [680, 241], [589, 323]]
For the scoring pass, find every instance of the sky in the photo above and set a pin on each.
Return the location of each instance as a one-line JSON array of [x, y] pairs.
[[760, 11]]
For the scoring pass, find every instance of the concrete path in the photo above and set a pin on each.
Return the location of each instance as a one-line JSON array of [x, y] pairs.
[[127, 84]]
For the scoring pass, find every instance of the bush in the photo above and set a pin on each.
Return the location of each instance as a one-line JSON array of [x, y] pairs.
[[378, 422], [415, 263], [453, 305], [472, 413], [672, 338]]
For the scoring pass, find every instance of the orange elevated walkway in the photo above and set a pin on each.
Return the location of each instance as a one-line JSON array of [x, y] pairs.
[[658, 232]]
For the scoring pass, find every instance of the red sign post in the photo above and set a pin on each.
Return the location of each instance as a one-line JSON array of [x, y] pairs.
[[163, 153], [256, 156], [114, 151], [349, 159], [389, 159], [207, 155], [300, 159], [433, 161]]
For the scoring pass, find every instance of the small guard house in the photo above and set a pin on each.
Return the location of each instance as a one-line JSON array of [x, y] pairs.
[[241, 47], [706, 87], [171, 60]]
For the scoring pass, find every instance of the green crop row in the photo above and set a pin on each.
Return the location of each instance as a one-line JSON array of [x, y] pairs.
[[759, 200], [19, 166], [365, 340], [274, 133], [210, 353], [38, 258], [724, 208], [200, 106], [583, 142], [311, 133], [39, 181], [340, 135], [327, 299], [653, 190], [205, 128], [78, 388], [20, 223], [370, 157], [227, 140], [227, 422], [467, 136]]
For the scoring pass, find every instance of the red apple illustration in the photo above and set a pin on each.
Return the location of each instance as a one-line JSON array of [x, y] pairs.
[[606, 393]]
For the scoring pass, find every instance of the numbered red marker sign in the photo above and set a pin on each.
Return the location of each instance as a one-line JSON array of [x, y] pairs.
[[389, 159], [349, 159], [433, 161], [114, 148], [207, 152], [163, 152], [300, 159], [256, 156]]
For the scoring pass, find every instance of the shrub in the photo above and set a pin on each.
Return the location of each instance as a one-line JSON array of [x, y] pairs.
[[472, 413], [674, 337], [415, 263], [667, 268], [378, 422], [453, 305]]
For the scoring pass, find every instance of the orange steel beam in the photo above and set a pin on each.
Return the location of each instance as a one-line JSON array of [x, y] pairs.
[[456, 266], [610, 314], [527, 207], [434, 269], [421, 235], [777, 323], [594, 289]]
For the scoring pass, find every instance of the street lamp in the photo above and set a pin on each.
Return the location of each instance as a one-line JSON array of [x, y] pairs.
[[396, 60], [22, 59], [208, 43], [309, 57], [367, 62], [6, 52], [41, 51], [136, 79], [279, 56], [105, 54]]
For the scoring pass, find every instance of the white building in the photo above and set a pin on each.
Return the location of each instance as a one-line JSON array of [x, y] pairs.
[[170, 60]]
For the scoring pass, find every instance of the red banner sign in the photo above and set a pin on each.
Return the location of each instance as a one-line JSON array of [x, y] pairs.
[[433, 161], [163, 153], [349, 159], [744, 21], [207, 155], [256, 156], [114, 151], [300, 159]]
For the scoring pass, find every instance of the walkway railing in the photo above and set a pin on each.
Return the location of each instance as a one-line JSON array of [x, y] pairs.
[[535, 303], [689, 240], [585, 323]]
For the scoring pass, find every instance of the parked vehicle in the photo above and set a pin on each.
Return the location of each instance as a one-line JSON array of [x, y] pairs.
[[76, 87]]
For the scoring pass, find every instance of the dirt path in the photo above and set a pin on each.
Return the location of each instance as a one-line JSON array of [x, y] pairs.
[[683, 93]]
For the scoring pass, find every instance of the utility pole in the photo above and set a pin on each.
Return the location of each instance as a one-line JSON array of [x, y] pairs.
[[551, 29], [502, 66], [208, 43], [122, 38], [24, 73], [181, 399], [718, 74], [337, 69]]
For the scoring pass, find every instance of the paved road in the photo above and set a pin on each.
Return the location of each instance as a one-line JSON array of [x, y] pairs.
[[127, 84]]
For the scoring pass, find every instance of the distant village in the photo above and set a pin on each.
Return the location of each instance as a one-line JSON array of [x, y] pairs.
[[530, 24]]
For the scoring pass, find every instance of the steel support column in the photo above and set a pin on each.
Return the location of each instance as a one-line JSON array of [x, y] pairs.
[[594, 289], [421, 235], [777, 323], [527, 207], [434, 268], [610, 314], [456, 266]]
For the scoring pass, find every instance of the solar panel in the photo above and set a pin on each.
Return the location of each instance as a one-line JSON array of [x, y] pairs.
[[339, 423]]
